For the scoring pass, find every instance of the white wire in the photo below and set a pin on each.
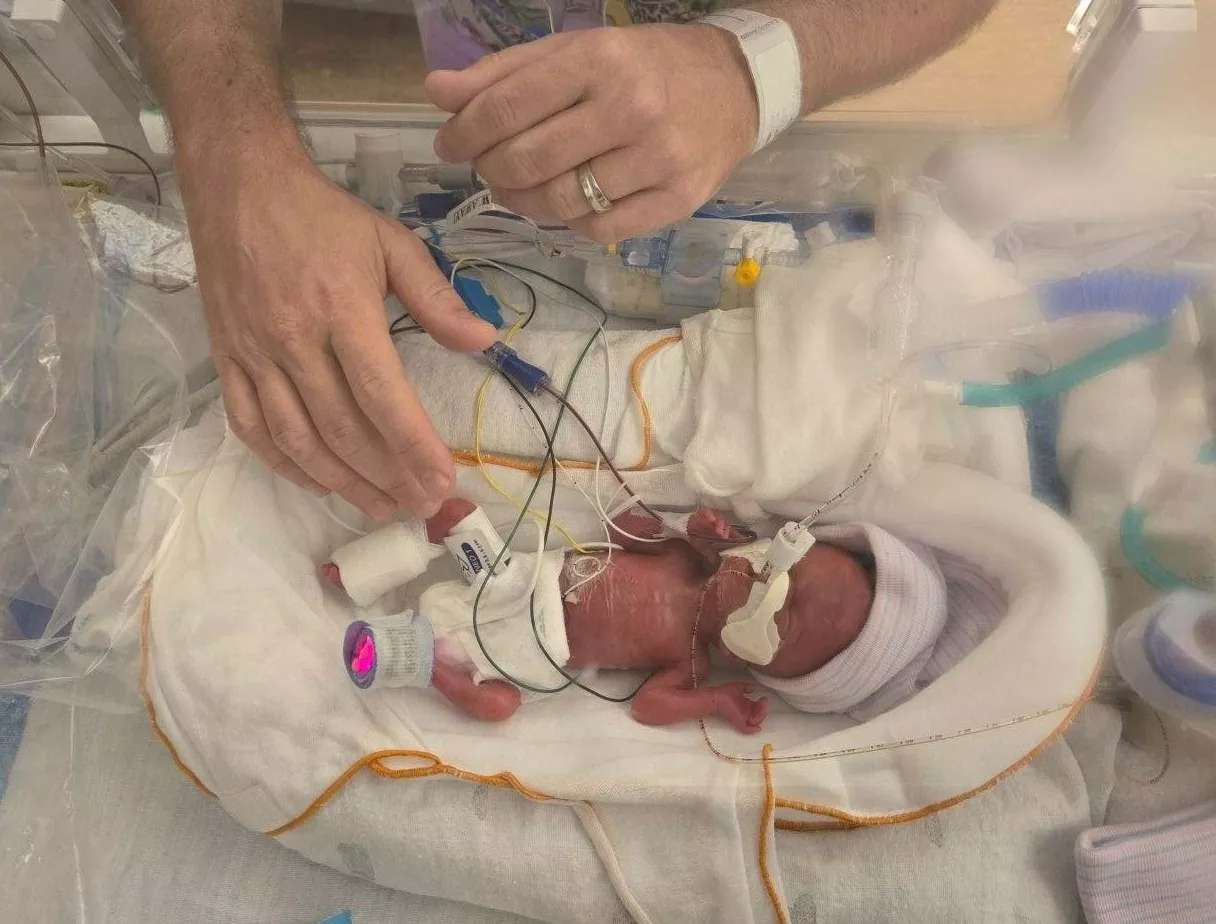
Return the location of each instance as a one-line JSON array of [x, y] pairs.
[[863, 475], [604, 420], [603, 566], [576, 305], [599, 508]]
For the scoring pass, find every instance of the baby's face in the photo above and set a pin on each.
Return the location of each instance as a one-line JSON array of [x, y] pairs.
[[827, 605]]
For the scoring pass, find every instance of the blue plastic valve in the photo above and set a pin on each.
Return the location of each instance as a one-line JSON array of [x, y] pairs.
[[527, 376]]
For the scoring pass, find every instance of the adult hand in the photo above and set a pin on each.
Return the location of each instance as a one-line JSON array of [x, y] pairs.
[[662, 113], [293, 273]]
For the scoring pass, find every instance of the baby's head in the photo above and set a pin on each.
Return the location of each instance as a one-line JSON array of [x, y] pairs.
[[861, 605], [830, 594]]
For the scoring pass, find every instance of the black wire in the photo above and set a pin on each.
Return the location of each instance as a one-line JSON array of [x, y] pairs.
[[599, 447], [40, 144], [562, 285], [744, 536], [491, 572], [94, 144], [493, 569], [550, 458], [394, 329]]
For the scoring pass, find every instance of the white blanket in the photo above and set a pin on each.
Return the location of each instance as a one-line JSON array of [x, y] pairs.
[[98, 825], [241, 647], [779, 401]]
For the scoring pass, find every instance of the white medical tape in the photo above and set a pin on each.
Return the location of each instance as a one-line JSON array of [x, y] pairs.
[[474, 543], [771, 51], [386, 559], [402, 651]]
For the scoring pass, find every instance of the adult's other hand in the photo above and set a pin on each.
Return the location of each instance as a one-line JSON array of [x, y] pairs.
[[294, 273], [661, 113]]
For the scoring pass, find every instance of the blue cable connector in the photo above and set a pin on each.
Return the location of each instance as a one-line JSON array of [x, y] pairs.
[[522, 373], [471, 292]]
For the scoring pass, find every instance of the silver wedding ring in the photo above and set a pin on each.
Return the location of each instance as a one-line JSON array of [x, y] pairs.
[[591, 190]]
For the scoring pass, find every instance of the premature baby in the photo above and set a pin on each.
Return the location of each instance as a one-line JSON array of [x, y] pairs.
[[861, 609]]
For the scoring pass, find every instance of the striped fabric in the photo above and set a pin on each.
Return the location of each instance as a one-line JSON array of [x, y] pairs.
[[930, 609], [1158, 872]]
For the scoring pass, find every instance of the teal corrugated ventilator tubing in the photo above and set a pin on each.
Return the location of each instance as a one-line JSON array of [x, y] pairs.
[[1057, 381]]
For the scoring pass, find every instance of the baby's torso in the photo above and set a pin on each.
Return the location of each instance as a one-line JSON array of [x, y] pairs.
[[633, 611]]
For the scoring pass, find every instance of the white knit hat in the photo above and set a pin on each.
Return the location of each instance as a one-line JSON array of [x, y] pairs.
[[880, 668]]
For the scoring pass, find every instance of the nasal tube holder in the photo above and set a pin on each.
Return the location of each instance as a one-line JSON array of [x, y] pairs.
[[751, 631]]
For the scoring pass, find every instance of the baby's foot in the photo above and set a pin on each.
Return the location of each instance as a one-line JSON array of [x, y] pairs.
[[735, 705], [330, 572]]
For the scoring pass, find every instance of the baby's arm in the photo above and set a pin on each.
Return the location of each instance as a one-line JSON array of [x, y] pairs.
[[707, 529], [412, 561], [668, 698]]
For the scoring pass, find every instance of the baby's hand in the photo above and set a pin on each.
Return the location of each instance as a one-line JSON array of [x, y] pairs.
[[735, 705], [706, 523]]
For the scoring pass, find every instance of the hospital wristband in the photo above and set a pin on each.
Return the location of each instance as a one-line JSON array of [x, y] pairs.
[[772, 58]]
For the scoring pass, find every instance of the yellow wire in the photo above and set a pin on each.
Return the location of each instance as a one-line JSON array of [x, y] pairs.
[[479, 408]]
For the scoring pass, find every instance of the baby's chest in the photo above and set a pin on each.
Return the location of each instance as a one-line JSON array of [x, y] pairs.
[[633, 610]]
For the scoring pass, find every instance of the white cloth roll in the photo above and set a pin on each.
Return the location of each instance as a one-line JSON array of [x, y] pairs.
[[388, 558]]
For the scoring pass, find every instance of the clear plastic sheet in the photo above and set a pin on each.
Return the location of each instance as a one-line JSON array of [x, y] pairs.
[[91, 372], [105, 365]]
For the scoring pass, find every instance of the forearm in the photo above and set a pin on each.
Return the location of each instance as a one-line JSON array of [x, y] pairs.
[[850, 46], [214, 66]]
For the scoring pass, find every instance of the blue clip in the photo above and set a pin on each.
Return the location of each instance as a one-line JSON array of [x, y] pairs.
[[472, 292], [342, 917]]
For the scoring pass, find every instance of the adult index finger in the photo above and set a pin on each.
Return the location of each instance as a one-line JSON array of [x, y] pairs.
[[451, 91], [427, 294], [380, 388], [517, 101]]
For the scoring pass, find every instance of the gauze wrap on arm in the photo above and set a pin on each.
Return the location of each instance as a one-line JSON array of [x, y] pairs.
[[388, 558], [402, 651]]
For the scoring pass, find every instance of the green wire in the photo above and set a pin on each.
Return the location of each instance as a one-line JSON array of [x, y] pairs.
[[549, 457]]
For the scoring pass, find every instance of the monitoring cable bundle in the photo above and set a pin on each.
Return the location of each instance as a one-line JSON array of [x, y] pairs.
[[512, 373]]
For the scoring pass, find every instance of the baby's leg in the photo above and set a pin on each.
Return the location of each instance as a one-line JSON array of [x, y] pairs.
[[492, 701], [667, 698]]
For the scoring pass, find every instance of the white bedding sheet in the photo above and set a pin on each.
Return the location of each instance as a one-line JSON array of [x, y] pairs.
[[97, 825]]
